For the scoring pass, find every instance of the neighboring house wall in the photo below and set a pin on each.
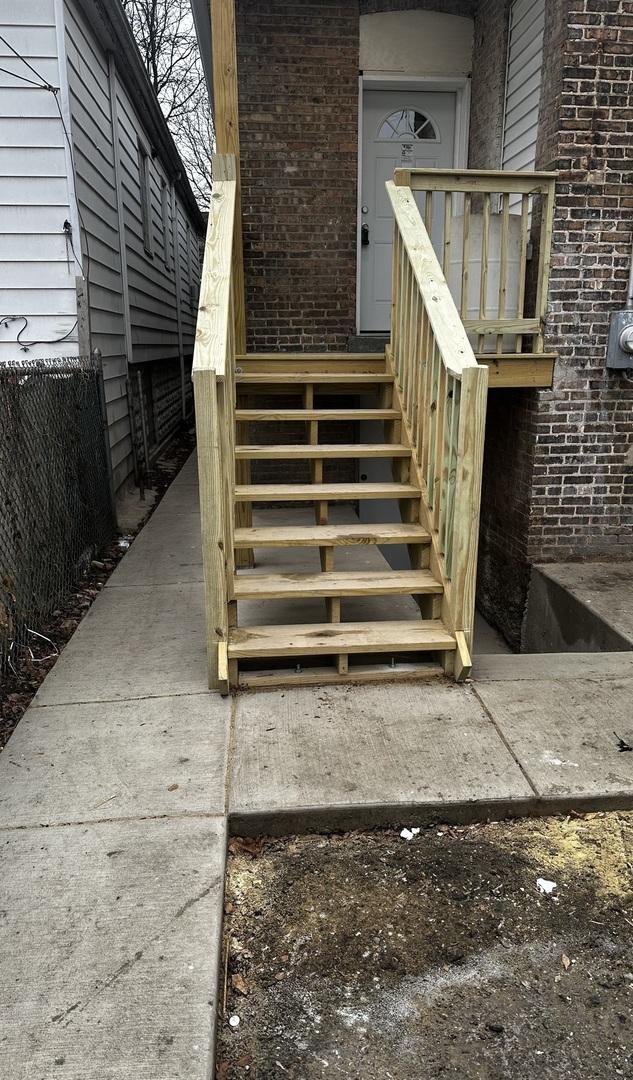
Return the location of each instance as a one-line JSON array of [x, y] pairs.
[[37, 267], [523, 84], [135, 274], [96, 193], [158, 242]]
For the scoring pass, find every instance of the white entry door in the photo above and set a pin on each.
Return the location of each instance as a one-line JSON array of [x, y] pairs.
[[400, 129]]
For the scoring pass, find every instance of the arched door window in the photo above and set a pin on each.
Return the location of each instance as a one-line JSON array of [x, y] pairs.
[[407, 124]]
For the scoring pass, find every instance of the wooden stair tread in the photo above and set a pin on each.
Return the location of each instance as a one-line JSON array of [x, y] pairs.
[[326, 377], [317, 414], [320, 639], [323, 450], [316, 358], [410, 671], [334, 583], [323, 492], [330, 535]]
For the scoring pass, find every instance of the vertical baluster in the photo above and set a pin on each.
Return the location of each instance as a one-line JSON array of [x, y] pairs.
[[428, 212], [483, 284], [395, 292], [525, 236], [452, 473], [416, 310], [503, 262], [423, 412], [438, 467], [465, 256], [448, 222], [446, 458], [436, 363], [402, 274], [408, 297]]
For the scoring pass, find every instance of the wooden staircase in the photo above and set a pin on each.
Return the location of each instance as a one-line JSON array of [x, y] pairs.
[[336, 648], [299, 586]]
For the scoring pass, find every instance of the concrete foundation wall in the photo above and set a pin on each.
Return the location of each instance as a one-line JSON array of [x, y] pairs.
[[557, 621]]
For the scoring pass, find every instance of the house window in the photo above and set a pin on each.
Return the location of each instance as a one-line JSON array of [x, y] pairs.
[[165, 196], [407, 124], [146, 198]]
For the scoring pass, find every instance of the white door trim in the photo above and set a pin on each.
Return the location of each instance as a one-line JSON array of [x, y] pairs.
[[459, 85]]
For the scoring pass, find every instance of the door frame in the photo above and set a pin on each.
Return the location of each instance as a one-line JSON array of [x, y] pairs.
[[458, 85]]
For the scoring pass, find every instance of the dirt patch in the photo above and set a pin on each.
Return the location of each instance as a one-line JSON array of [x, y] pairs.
[[19, 686], [370, 957]]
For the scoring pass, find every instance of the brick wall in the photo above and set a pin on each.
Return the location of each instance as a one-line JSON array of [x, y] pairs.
[[558, 464], [490, 46], [466, 8], [298, 94], [583, 472]]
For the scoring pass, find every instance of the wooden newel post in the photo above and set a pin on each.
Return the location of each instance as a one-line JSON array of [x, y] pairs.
[[227, 133]]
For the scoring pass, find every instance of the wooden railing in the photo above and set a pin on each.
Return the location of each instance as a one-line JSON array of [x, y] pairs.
[[218, 326], [442, 392], [492, 232]]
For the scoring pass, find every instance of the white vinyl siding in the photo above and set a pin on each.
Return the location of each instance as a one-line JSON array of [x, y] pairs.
[[37, 269], [523, 84]]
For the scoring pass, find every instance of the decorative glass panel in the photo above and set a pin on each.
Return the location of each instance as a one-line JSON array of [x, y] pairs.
[[407, 124]]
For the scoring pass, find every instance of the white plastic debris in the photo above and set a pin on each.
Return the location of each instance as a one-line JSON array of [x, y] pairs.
[[545, 886], [408, 834], [234, 1022]]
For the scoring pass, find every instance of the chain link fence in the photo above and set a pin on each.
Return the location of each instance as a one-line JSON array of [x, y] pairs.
[[55, 501]]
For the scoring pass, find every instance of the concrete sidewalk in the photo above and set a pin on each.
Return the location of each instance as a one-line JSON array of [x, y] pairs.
[[113, 832], [119, 785]]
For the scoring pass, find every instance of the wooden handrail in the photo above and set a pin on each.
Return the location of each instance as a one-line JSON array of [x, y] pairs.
[[486, 249], [213, 375], [442, 392]]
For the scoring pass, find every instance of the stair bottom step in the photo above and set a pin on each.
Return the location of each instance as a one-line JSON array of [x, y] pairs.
[[330, 639], [327, 676]]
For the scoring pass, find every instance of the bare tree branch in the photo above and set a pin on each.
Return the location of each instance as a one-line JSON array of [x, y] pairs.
[[167, 42]]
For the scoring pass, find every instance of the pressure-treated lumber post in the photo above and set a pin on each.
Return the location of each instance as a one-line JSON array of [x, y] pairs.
[[467, 500], [212, 508], [225, 167], [212, 373]]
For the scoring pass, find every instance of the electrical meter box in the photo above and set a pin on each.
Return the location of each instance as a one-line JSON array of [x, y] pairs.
[[620, 347]]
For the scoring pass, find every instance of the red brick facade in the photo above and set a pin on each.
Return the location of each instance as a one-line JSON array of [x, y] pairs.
[[298, 96], [558, 475]]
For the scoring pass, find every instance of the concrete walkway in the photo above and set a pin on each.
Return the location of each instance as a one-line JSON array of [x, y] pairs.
[[119, 785]]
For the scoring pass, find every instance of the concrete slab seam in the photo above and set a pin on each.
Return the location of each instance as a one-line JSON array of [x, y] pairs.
[[505, 742]]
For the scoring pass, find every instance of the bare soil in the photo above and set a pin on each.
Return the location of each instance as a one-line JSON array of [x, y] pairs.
[[18, 688], [370, 957]]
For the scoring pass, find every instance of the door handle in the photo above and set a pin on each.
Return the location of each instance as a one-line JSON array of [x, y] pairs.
[[364, 234]]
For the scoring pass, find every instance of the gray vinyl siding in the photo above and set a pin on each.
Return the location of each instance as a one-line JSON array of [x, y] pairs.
[[96, 194], [37, 270], [151, 273], [523, 84]]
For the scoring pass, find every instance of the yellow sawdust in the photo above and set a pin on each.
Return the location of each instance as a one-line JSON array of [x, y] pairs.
[[596, 845]]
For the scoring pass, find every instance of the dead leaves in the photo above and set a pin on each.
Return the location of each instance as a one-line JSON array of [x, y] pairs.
[[247, 845], [239, 984]]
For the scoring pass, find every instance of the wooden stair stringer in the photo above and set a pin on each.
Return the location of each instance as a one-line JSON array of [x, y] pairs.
[[457, 662]]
